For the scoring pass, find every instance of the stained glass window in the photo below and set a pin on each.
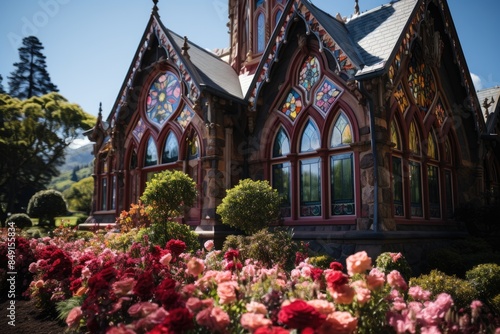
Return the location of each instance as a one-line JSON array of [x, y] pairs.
[[433, 183], [292, 104], [194, 149], [397, 186], [310, 138], [400, 96], [342, 184], [151, 157], [185, 117], [395, 139], [341, 133], [281, 182], [259, 3], [277, 16], [261, 32], [309, 73], [432, 151], [439, 113], [415, 189], [413, 139], [420, 79], [310, 187], [104, 194], [326, 95], [139, 130], [170, 150], [163, 98], [281, 145]]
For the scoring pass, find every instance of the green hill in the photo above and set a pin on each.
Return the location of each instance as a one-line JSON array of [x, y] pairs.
[[78, 165]]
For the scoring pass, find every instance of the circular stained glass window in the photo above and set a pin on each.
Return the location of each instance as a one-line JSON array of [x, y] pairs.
[[163, 98]]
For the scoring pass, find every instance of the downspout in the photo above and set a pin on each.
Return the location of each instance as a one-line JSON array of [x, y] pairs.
[[371, 113]]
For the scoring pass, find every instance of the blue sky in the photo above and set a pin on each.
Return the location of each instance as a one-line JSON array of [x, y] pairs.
[[89, 44]]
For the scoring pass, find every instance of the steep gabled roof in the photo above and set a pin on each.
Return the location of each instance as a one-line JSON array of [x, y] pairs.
[[489, 99], [378, 32]]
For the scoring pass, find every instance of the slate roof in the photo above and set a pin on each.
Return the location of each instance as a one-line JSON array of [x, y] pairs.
[[371, 38], [493, 109]]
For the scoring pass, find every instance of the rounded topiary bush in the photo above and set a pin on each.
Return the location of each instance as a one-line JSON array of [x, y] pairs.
[[250, 206], [46, 205], [19, 220], [486, 279], [388, 262], [462, 291]]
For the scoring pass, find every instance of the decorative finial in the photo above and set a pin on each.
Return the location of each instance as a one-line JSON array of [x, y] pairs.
[[486, 105], [356, 7], [185, 48], [155, 7], [100, 109]]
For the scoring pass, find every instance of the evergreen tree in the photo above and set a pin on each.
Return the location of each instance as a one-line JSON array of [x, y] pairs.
[[30, 77], [2, 91]]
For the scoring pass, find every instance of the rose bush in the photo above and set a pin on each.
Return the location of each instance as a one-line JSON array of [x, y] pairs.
[[151, 288]]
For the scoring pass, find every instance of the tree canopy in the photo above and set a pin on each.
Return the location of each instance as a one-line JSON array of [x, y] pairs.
[[2, 90], [34, 134], [30, 77]]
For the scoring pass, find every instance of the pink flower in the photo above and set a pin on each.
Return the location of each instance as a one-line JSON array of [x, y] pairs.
[[124, 286], [322, 306], [395, 256], [74, 316], [339, 323], [358, 263], [252, 321], [419, 294], [343, 294], [397, 281], [120, 329], [215, 318], [140, 310], [375, 279], [195, 267], [255, 307], [194, 304], [165, 259], [209, 244], [476, 306], [38, 284], [227, 292], [153, 319], [363, 294]]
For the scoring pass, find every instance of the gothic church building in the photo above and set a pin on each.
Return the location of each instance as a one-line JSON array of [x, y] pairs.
[[369, 127]]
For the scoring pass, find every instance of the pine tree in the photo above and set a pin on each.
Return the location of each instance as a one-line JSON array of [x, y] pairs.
[[30, 77], [2, 91]]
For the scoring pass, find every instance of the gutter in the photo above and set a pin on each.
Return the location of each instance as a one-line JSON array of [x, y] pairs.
[[375, 155]]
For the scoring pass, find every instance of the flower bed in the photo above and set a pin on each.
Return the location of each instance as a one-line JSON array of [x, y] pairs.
[[151, 289]]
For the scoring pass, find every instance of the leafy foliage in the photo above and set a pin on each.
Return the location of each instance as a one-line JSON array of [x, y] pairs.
[[167, 194], [388, 262], [20, 220], [486, 279], [250, 206], [79, 195], [136, 217], [46, 205], [34, 134], [268, 247], [161, 232], [463, 292], [30, 77]]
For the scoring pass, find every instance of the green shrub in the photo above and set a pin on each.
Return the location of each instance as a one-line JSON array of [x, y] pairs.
[[162, 232], [321, 261], [495, 304], [388, 262], [46, 205], [20, 220], [168, 194], [462, 291], [486, 279], [446, 260], [269, 247], [250, 206]]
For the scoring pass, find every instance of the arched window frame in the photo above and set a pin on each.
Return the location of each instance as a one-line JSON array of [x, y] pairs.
[[398, 184], [281, 173], [259, 34], [166, 156], [310, 174]]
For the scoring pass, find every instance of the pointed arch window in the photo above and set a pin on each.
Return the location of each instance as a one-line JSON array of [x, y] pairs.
[[281, 145], [413, 141], [310, 138], [170, 149], [397, 173], [432, 151], [277, 16], [395, 137], [151, 156], [342, 133], [261, 32]]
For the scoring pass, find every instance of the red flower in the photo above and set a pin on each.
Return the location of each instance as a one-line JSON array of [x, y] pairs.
[[232, 255], [299, 314], [176, 246], [336, 278], [166, 295], [179, 320], [145, 286], [336, 266], [316, 273], [271, 330]]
